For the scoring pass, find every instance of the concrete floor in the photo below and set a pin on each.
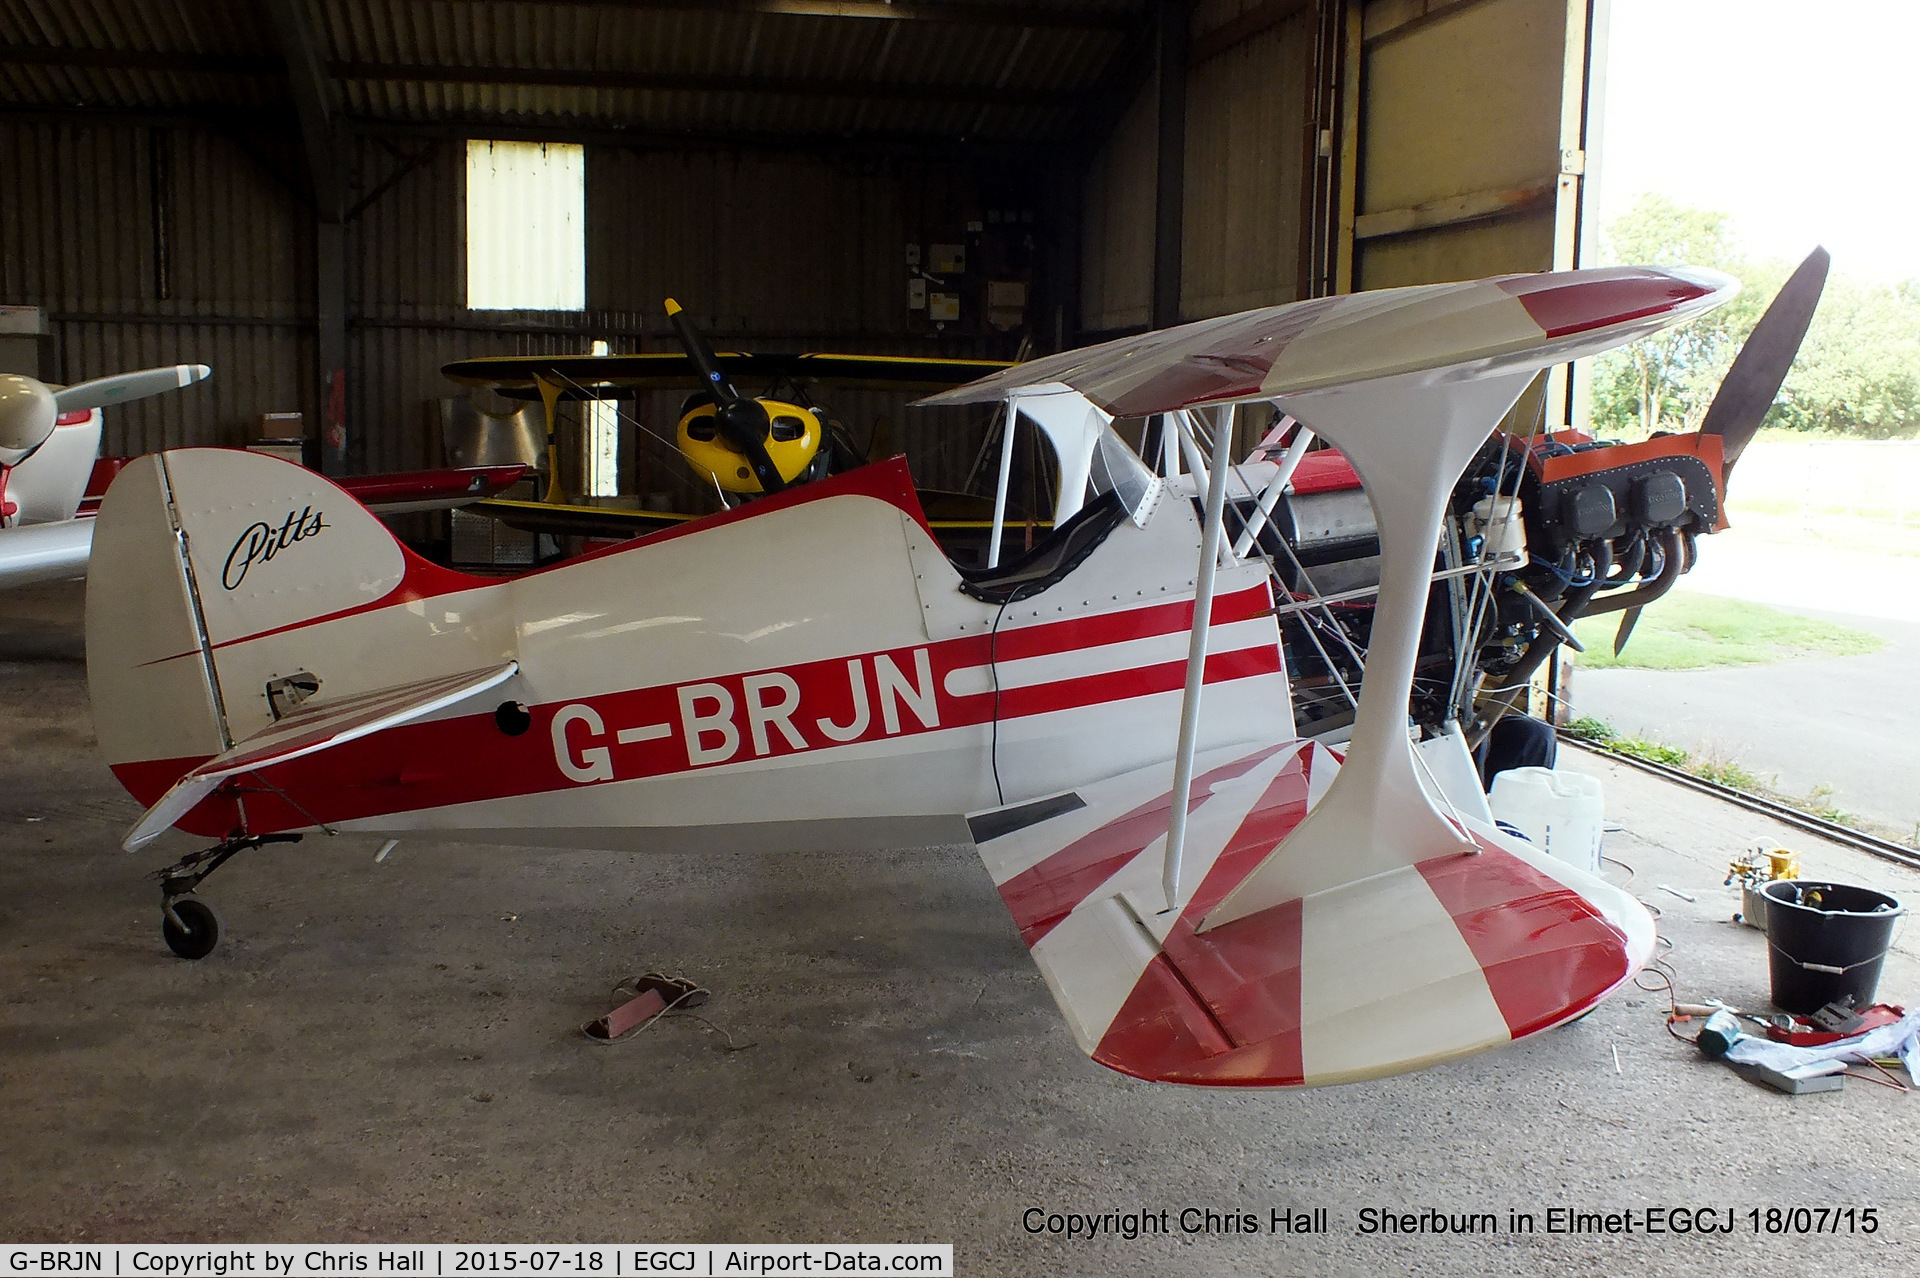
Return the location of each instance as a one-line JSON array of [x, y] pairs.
[[389, 1052]]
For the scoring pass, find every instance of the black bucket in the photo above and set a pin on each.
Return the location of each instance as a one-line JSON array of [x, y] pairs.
[[1826, 942]]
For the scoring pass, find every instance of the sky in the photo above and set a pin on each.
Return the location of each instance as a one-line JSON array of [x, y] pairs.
[[1797, 119]]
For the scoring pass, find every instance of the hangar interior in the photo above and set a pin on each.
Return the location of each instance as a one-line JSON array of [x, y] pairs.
[[280, 189]]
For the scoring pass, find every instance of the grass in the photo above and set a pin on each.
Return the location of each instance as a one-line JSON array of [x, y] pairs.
[[1692, 632], [1818, 802], [1857, 496]]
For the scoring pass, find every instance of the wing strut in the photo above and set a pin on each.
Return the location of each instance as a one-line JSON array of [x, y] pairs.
[[550, 400], [1270, 495], [1007, 427], [1197, 650]]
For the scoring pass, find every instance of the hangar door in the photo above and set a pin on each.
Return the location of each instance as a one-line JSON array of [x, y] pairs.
[[1468, 127]]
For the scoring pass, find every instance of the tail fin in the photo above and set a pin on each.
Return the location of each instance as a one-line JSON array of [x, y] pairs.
[[195, 550], [155, 708]]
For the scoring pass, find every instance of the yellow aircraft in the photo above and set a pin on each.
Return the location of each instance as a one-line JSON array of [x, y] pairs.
[[745, 445]]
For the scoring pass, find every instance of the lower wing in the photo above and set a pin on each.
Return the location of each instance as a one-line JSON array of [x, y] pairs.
[[1376, 976]]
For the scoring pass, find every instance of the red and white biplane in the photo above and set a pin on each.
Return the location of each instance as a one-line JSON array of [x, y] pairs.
[[1213, 898]]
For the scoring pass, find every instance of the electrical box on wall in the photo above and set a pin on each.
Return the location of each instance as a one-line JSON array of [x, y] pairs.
[[916, 294], [943, 308], [949, 259], [913, 255], [1006, 303]]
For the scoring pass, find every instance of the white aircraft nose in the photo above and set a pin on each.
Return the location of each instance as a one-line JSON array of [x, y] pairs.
[[26, 416]]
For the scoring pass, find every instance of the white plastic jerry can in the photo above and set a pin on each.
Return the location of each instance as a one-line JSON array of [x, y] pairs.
[[1562, 813]]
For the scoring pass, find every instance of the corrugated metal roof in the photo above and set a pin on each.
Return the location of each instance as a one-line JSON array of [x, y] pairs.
[[591, 63], [177, 26]]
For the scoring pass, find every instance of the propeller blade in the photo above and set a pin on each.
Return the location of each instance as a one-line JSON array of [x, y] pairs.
[[1628, 620], [702, 356], [746, 426], [123, 388], [741, 419], [1761, 366]]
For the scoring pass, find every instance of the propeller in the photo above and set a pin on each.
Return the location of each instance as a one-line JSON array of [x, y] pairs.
[[1628, 620], [1754, 380], [1742, 401], [29, 408], [741, 420]]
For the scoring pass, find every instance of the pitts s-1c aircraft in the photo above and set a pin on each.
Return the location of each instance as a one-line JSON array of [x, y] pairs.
[[810, 670]]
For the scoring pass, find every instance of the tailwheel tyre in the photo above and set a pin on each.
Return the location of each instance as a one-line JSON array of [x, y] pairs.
[[191, 927]]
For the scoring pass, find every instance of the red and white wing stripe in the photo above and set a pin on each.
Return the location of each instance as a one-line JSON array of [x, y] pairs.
[[1390, 973]]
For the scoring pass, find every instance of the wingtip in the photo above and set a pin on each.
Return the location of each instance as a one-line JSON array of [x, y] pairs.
[[191, 373], [673, 307]]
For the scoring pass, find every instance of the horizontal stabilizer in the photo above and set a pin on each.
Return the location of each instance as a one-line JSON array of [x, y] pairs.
[[311, 729], [1373, 976]]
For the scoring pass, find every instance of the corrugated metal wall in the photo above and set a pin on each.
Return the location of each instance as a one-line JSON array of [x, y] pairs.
[[1246, 123], [774, 245], [784, 252], [201, 266], [775, 252], [1116, 253], [1245, 133]]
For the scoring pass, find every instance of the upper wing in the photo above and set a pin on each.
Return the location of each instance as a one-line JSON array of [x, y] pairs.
[[591, 376], [1375, 976], [314, 728], [1475, 329]]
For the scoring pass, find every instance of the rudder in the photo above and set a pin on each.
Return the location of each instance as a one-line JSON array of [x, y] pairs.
[[195, 550]]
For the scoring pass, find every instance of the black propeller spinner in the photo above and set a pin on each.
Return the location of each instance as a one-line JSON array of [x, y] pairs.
[[741, 419]]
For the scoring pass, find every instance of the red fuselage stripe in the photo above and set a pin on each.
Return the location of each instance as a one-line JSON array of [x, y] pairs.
[[673, 728]]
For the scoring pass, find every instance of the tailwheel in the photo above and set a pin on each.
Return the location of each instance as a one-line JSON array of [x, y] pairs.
[[191, 927]]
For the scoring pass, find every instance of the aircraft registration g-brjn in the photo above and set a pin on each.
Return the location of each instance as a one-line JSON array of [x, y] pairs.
[[810, 670]]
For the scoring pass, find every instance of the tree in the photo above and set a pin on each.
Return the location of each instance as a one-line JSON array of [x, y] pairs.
[[1667, 381], [1858, 373]]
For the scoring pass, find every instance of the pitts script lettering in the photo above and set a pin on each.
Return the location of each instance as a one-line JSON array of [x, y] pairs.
[[262, 541]]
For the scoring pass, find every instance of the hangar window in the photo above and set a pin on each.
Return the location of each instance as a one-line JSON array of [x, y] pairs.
[[526, 226]]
